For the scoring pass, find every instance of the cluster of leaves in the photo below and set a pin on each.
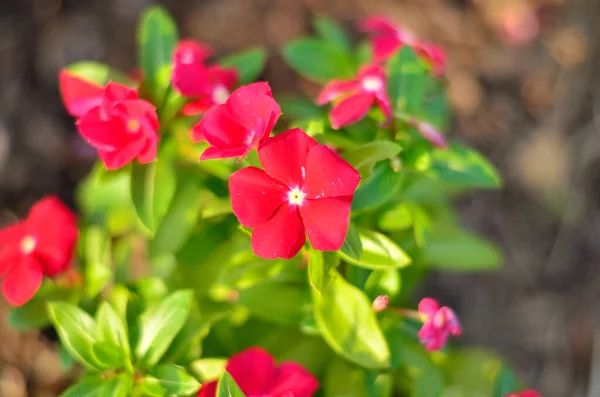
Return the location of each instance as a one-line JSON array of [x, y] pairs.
[[174, 288]]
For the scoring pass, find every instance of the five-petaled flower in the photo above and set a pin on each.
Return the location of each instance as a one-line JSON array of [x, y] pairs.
[[240, 124], [257, 375], [438, 324], [525, 393], [79, 95], [42, 244], [304, 189], [357, 96], [387, 38], [122, 127]]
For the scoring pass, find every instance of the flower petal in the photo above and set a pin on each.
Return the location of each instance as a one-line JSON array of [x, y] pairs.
[[12, 234], [326, 222], [282, 236], [222, 130], [79, 95], [284, 156], [351, 109], [9, 258], [148, 153], [212, 153], [384, 103], [378, 24], [101, 132], [208, 389], [328, 175], [384, 47], [197, 107], [335, 89], [115, 92], [255, 195], [294, 378], [250, 103], [251, 369], [23, 281], [118, 158], [225, 76], [433, 338], [428, 307], [197, 131]]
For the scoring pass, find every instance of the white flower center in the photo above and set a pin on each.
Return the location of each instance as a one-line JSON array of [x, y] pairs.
[[372, 84], [220, 94], [296, 196], [28, 244]]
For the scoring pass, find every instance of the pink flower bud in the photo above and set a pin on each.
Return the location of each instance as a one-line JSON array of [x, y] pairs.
[[380, 303]]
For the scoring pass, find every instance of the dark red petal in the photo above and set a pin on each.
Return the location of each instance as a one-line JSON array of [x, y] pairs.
[[251, 369], [197, 132], [284, 156], [189, 51], [118, 158], [9, 258], [335, 89], [249, 103], [351, 109], [116, 92], [198, 107], [226, 153], [385, 46], [191, 80], [226, 76], [79, 95], [12, 234], [328, 175], [282, 236], [102, 133], [221, 130], [148, 153], [326, 222], [255, 195], [23, 281], [208, 389], [294, 378], [378, 24]]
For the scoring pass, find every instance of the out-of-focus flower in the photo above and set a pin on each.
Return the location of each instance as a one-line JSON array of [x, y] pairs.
[[387, 38], [241, 123], [380, 303], [257, 375], [42, 244], [432, 135], [357, 96], [438, 324], [78, 94], [525, 393], [221, 82], [122, 128], [305, 189], [190, 77], [519, 23]]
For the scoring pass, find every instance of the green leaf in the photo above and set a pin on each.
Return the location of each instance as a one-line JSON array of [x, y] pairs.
[[151, 387], [228, 388], [397, 219], [371, 153], [110, 327], [33, 314], [157, 38], [384, 282], [320, 265], [381, 187], [474, 369], [76, 330], [249, 64], [318, 60], [459, 250], [348, 325], [352, 247], [175, 380], [109, 355], [407, 80], [97, 271], [99, 73], [208, 368], [276, 301], [462, 167], [299, 108], [88, 386], [118, 386], [506, 382], [429, 383], [331, 32], [378, 252], [160, 324]]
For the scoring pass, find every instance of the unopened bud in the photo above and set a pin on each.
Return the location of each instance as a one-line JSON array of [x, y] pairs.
[[380, 303]]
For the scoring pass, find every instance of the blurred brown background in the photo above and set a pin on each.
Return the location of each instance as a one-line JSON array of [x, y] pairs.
[[524, 82]]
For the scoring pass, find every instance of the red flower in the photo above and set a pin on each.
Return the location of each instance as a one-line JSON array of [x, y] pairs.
[[42, 244], [439, 324], [525, 393], [220, 83], [122, 128], [241, 123], [256, 373], [190, 76], [79, 95], [358, 96], [387, 38], [305, 189]]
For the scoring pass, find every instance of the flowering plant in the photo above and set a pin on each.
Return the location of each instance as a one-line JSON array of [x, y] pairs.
[[231, 242]]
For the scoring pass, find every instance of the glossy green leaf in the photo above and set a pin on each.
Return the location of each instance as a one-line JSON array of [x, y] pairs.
[[110, 327], [383, 186], [99, 73], [228, 388], [506, 382], [474, 369], [344, 379], [318, 60], [175, 380], [320, 266], [151, 387], [331, 32], [352, 247], [97, 271], [407, 80], [157, 38], [348, 325], [384, 282], [249, 64], [371, 153], [118, 386], [397, 219], [109, 355], [159, 325], [89, 386], [275, 301], [459, 250], [76, 330], [378, 252], [208, 368]]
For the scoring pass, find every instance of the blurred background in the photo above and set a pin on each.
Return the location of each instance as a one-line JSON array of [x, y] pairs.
[[523, 79]]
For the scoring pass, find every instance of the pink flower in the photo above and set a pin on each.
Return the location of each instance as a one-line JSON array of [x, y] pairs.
[[525, 393], [380, 303], [221, 82], [190, 76], [79, 95], [241, 123], [42, 244], [305, 189], [257, 375], [122, 128], [357, 96], [432, 135], [387, 38], [438, 324]]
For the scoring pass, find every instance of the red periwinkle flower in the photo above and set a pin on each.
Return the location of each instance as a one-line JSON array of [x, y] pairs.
[[525, 393], [357, 95], [438, 324], [190, 75], [305, 189], [42, 244], [79, 95], [387, 38], [240, 124], [122, 128], [257, 375], [220, 83]]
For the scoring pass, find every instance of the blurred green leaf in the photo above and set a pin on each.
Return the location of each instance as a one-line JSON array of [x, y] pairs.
[[88, 386], [283, 303], [33, 314], [110, 327], [378, 252], [175, 380], [407, 80], [97, 270], [320, 266], [344, 379], [118, 386], [352, 247], [384, 282], [228, 388], [429, 383], [371, 153], [331, 32], [151, 387], [249, 64], [348, 325], [109, 355], [318, 60], [299, 108], [99, 73], [506, 382], [397, 219], [208, 368], [381, 187], [475, 369]]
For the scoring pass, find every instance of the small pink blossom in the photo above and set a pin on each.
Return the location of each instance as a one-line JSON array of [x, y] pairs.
[[432, 135], [356, 96], [380, 303], [525, 393], [438, 324]]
